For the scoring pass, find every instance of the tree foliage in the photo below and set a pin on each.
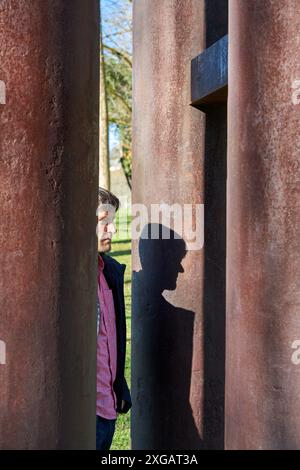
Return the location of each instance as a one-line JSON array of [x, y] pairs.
[[118, 72]]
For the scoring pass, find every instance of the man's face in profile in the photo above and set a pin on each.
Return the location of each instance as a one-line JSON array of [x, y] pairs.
[[106, 227]]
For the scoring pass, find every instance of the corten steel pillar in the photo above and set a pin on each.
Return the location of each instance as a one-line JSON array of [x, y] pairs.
[[168, 147], [263, 257], [48, 181]]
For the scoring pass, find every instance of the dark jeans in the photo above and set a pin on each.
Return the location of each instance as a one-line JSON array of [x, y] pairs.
[[105, 430]]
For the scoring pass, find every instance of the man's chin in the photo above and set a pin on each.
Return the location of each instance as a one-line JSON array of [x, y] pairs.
[[105, 246]]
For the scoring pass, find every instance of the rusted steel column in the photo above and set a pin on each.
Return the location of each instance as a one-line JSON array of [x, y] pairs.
[[168, 149], [263, 256], [48, 184]]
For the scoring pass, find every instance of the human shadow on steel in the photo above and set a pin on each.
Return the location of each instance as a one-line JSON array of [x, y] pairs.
[[162, 349]]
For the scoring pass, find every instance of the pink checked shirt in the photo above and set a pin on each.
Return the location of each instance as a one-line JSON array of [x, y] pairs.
[[106, 349]]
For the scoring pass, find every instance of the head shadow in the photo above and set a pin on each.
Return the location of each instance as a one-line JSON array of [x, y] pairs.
[[161, 251]]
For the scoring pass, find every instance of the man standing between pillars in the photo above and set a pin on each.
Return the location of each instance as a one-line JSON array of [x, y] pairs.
[[113, 395]]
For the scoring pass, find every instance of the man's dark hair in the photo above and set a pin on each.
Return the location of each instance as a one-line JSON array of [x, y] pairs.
[[106, 197]]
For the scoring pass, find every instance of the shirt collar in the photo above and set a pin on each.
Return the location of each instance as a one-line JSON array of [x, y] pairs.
[[100, 262]]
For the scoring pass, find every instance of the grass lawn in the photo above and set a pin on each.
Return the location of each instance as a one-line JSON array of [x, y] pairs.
[[121, 251]]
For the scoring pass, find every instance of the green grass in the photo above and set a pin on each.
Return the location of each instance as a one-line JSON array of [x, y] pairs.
[[121, 251]]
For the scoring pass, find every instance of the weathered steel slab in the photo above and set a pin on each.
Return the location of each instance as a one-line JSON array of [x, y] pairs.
[[48, 184], [209, 75], [178, 303], [263, 206]]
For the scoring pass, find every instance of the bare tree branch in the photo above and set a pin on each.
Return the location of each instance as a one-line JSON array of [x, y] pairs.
[[117, 33], [121, 55]]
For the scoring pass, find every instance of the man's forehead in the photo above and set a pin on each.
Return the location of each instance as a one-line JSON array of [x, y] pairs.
[[106, 210]]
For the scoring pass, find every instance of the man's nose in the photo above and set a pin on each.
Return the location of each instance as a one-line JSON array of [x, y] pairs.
[[112, 228]]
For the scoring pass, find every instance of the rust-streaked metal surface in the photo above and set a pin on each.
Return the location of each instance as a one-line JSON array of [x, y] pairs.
[[168, 152], [263, 250], [169, 363], [48, 181]]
